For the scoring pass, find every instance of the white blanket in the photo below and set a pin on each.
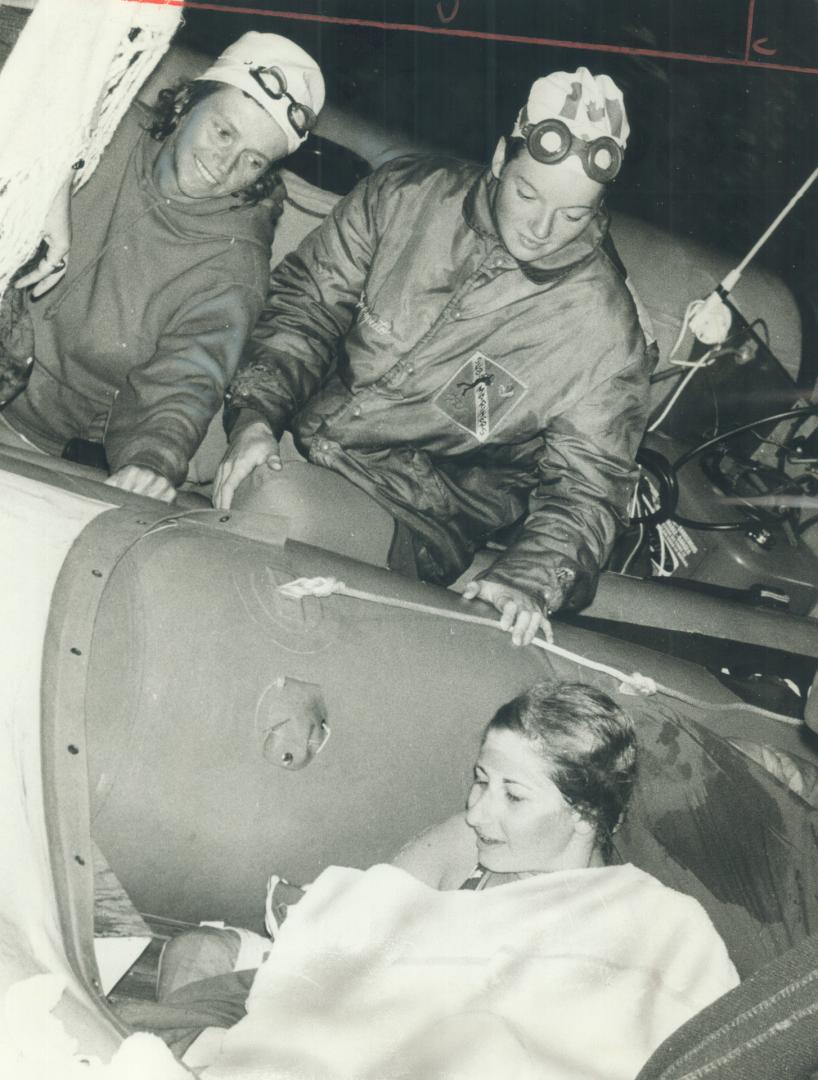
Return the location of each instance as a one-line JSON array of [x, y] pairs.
[[574, 974]]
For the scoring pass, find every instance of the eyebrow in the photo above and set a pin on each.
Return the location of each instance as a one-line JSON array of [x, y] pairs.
[[518, 783], [506, 779], [579, 206]]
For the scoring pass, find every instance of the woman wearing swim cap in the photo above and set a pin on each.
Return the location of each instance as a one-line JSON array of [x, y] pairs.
[[168, 268], [494, 375]]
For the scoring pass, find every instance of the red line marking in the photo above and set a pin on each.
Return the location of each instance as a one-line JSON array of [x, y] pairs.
[[748, 41], [518, 39]]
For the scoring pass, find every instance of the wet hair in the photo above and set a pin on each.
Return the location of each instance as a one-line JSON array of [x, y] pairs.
[[588, 744], [174, 102]]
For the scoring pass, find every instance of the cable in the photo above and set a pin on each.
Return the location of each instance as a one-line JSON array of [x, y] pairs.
[[639, 541], [703, 361], [772, 442], [633, 505], [802, 528], [763, 324], [688, 455], [667, 474], [668, 493], [685, 323], [709, 526], [659, 567]]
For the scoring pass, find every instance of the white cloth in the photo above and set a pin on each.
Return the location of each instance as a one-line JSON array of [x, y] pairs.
[[66, 85], [566, 975]]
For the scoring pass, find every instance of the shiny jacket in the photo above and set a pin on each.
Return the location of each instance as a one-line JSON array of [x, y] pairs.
[[137, 344], [409, 351]]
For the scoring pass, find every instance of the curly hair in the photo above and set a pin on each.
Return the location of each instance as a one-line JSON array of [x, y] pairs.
[[174, 102], [588, 743], [515, 145]]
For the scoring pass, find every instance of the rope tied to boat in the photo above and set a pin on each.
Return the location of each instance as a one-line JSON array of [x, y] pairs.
[[635, 683]]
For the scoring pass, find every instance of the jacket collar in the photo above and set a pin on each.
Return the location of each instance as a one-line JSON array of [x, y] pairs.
[[478, 212]]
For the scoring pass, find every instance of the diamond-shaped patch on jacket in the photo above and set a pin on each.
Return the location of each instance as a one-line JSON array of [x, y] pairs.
[[480, 395]]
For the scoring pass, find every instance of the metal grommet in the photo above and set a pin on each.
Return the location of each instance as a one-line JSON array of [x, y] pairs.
[[287, 758]]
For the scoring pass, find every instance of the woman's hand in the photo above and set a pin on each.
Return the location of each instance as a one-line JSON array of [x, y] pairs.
[[521, 614], [57, 235], [253, 446], [142, 481]]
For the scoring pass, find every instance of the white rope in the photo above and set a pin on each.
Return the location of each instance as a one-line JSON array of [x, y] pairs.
[[132, 62], [63, 90], [635, 683]]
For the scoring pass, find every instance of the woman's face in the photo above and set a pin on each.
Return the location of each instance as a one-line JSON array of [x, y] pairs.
[[221, 146], [539, 209], [520, 820]]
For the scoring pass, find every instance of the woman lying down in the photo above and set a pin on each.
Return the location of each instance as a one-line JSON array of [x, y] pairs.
[[503, 942]]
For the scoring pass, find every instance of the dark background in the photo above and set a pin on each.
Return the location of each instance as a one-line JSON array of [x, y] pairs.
[[715, 152]]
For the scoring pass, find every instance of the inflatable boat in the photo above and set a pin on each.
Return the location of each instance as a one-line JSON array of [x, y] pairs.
[[165, 699]]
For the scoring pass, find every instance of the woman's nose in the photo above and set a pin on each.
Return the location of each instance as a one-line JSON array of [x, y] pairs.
[[542, 224], [226, 159], [477, 804]]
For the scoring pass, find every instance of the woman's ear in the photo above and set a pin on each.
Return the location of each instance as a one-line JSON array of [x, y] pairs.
[[582, 826]]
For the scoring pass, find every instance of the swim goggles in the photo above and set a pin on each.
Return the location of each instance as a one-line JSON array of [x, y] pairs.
[[274, 83], [551, 141]]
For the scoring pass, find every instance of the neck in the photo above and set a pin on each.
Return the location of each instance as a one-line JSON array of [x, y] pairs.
[[590, 860]]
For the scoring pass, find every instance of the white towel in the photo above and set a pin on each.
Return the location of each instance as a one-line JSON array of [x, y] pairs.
[[567, 975]]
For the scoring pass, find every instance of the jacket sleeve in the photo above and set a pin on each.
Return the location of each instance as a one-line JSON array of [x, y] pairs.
[[311, 305], [586, 474], [162, 412]]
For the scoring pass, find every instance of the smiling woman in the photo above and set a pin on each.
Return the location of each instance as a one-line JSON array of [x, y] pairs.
[[224, 145], [168, 269]]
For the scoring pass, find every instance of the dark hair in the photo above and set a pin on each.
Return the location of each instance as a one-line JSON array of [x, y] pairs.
[[588, 743], [174, 102], [514, 147]]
